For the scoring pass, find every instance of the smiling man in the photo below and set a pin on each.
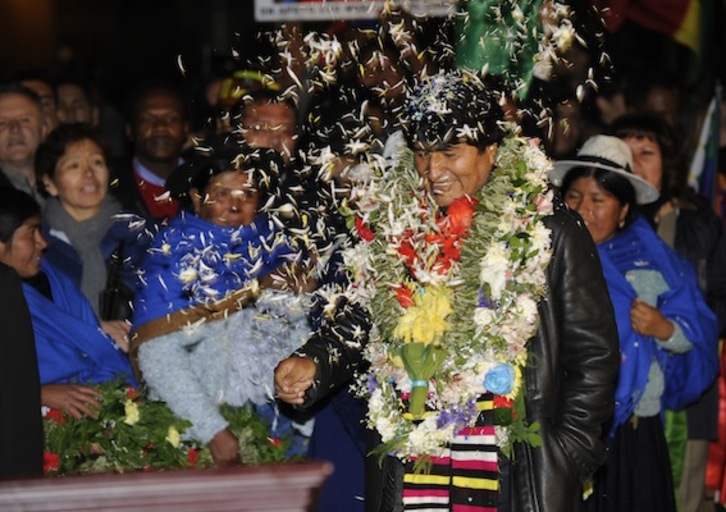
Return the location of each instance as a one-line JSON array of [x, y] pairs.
[[158, 127], [465, 153]]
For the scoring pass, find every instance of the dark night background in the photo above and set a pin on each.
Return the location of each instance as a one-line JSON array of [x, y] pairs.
[[120, 42]]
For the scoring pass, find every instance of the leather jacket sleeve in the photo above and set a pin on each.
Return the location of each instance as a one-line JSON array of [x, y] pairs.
[[336, 347]]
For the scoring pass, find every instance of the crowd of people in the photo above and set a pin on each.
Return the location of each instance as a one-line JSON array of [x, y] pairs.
[[232, 260]]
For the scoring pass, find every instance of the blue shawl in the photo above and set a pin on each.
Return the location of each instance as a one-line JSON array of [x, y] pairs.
[[686, 375], [193, 261], [69, 341]]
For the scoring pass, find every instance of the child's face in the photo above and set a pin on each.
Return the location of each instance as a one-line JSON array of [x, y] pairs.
[[230, 199]]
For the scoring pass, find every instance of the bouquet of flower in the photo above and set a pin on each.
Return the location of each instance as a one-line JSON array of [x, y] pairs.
[[453, 299], [130, 433]]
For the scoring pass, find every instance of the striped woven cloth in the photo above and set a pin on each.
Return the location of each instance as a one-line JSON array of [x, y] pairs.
[[465, 477]]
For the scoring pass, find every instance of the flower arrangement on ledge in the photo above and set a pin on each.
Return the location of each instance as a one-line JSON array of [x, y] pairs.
[[131, 433], [453, 299]]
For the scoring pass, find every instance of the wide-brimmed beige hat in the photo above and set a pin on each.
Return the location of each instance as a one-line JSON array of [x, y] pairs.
[[611, 154]]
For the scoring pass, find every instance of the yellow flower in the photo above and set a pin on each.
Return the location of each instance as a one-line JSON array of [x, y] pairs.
[[517, 382], [425, 321], [173, 437], [132, 412]]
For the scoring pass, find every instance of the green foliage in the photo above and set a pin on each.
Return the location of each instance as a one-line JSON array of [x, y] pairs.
[[130, 433]]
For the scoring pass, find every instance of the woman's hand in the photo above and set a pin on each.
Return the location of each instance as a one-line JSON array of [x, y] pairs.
[[648, 321], [119, 332], [224, 448], [293, 376], [74, 399]]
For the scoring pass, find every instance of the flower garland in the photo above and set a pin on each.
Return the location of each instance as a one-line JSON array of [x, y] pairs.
[[131, 433], [453, 299]]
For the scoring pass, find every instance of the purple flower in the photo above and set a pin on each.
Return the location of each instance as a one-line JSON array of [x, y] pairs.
[[486, 302], [372, 383], [444, 420], [500, 379]]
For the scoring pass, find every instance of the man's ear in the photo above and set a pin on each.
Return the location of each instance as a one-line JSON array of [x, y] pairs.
[[491, 151]]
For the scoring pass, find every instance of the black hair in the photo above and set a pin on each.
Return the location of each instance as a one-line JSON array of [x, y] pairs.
[[449, 108], [55, 145], [145, 89], [613, 183], [83, 84], [262, 96], [674, 176], [16, 207], [227, 153]]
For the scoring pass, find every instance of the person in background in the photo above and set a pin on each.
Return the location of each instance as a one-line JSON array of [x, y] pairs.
[[73, 352], [22, 129], [90, 237], [76, 102], [269, 120], [695, 232], [668, 339], [158, 127], [41, 83], [199, 338], [21, 430]]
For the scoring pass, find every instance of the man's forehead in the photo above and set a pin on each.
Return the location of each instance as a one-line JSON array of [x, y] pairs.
[[269, 109], [16, 100]]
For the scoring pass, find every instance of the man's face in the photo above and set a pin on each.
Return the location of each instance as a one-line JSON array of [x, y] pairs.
[[270, 125], [455, 171], [74, 106], [47, 98], [159, 130], [21, 129]]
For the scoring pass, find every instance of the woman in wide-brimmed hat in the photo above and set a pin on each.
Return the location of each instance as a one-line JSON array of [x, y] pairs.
[[668, 340]]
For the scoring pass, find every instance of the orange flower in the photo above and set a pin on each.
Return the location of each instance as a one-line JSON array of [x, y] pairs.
[[50, 461], [192, 457], [404, 296], [131, 393], [363, 231], [57, 416], [406, 250], [458, 217], [274, 441]]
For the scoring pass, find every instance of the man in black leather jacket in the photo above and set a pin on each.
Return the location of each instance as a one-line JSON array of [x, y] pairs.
[[569, 386]]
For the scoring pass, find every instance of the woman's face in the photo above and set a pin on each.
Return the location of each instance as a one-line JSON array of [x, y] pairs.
[[230, 199], [81, 179], [601, 211], [647, 159], [24, 249]]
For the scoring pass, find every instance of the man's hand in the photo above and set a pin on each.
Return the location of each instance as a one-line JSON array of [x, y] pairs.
[[293, 376], [224, 448], [73, 399], [648, 321]]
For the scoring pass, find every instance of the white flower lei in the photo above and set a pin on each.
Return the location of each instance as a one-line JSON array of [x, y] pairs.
[[505, 257]]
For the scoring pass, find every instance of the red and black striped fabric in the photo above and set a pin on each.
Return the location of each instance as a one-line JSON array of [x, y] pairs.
[[465, 478]]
